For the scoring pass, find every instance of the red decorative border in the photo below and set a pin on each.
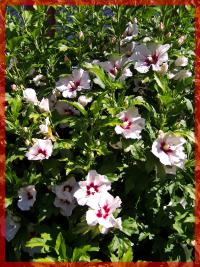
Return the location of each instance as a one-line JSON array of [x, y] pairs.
[[196, 4]]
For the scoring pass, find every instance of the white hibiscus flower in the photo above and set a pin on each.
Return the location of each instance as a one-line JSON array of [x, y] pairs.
[[101, 212], [27, 197], [42, 149], [78, 81], [94, 184], [114, 66], [169, 149], [132, 124], [152, 55], [66, 207], [66, 190]]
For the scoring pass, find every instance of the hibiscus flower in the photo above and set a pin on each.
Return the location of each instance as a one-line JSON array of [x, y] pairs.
[[114, 66], [78, 81], [27, 197], [152, 55], [132, 124], [42, 149], [169, 149], [101, 212], [94, 184]]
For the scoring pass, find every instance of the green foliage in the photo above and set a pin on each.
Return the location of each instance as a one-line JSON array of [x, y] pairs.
[[157, 208]]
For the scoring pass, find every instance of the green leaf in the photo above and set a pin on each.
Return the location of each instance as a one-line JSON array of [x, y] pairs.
[[129, 226], [40, 242], [45, 259], [60, 246], [81, 254], [161, 82], [98, 71], [120, 245], [128, 256], [8, 202], [77, 106], [138, 101]]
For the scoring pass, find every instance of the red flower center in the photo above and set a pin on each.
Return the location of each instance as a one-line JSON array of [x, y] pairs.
[[126, 123], [103, 212], [92, 189], [67, 188], [65, 201], [151, 60], [74, 85], [42, 151], [29, 196], [115, 69], [166, 148], [68, 112]]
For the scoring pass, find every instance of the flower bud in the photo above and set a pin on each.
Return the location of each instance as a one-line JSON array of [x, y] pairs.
[[84, 100], [147, 39], [81, 35], [163, 68], [14, 87], [27, 142], [26, 129], [181, 61], [169, 34], [182, 39], [181, 75], [161, 26]]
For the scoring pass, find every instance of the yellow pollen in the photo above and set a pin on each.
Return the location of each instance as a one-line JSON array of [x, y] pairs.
[[166, 147]]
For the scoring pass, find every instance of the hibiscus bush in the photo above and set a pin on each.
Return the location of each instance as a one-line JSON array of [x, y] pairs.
[[99, 133]]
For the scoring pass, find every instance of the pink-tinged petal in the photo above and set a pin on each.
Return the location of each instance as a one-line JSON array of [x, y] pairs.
[[118, 129], [67, 210], [77, 74], [91, 217], [85, 81], [162, 49], [116, 204], [62, 83], [69, 94], [103, 230], [156, 67], [91, 176], [132, 113], [107, 66], [108, 222], [164, 158], [93, 201], [141, 67], [141, 52], [81, 197]]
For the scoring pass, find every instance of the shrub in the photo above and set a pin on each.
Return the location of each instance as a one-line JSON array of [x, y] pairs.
[[99, 133]]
